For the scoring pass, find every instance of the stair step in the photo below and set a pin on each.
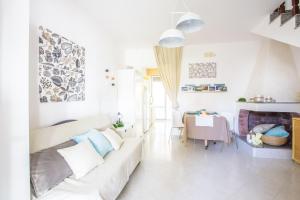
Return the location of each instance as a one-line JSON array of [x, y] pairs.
[[273, 16], [285, 17], [297, 21]]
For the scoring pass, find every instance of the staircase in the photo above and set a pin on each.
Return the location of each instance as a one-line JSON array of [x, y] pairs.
[[283, 24]]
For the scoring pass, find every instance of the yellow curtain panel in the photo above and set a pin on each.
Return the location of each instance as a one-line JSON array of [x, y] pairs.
[[169, 67]]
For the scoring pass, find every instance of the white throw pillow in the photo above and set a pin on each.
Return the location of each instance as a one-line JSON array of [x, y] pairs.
[[115, 140], [81, 158]]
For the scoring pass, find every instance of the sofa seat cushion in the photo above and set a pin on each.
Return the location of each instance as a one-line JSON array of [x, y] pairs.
[[111, 177], [71, 189], [108, 178]]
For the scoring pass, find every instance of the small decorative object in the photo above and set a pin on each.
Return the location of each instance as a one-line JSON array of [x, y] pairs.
[[61, 68], [119, 123], [203, 70], [110, 77], [255, 139], [269, 99], [251, 99], [259, 99], [204, 88], [209, 54], [242, 99]]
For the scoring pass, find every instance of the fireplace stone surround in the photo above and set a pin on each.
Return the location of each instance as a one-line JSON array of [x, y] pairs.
[[249, 119]]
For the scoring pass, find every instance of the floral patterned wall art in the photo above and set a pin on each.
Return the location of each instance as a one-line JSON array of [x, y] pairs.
[[61, 68], [203, 70]]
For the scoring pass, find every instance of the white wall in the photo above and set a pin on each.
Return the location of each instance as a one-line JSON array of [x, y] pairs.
[[236, 67], [275, 73], [296, 55], [139, 58], [14, 149], [235, 61], [68, 19]]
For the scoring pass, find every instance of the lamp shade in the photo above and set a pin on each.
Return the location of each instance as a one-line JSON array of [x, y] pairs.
[[171, 38], [189, 23]]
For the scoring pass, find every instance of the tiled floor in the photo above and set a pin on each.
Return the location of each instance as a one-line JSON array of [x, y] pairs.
[[171, 171]]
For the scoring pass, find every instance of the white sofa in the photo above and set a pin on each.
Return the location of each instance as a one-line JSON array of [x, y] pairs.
[[105, 181]]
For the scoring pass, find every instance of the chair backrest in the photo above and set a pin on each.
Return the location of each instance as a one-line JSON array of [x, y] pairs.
[[176, 118], [230, 119]]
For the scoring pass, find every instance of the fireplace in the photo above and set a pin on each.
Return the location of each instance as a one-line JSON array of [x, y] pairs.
[[249, 119]]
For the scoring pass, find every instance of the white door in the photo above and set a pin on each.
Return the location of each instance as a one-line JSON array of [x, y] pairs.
[[126, 95]]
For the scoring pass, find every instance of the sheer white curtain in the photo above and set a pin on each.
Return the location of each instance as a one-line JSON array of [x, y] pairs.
[[169, 66]]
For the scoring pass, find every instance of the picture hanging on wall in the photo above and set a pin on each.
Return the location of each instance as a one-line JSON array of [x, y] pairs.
[[61, 68], [203, 70]]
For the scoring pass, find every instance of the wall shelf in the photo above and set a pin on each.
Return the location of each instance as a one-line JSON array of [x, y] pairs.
[[270, 107], [270, 102], [203, 91]]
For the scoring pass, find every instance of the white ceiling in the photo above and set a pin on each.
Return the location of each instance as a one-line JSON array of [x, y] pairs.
[[139, 23]]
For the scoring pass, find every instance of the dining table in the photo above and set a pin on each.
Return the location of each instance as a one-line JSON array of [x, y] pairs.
[[218, 130]]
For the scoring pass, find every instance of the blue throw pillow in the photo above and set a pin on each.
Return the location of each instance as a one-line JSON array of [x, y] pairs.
[[99, 141], [278, 131]]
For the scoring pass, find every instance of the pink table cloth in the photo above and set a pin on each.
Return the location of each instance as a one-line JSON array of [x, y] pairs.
[[219, 131]]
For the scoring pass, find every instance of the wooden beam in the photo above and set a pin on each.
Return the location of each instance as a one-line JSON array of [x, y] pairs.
[[281, 8], [295, 9]]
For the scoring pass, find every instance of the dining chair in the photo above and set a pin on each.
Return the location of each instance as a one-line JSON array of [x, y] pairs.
[[176, 123], [231, 125]]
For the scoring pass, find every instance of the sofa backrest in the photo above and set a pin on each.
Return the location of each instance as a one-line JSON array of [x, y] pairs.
[[44, 138]]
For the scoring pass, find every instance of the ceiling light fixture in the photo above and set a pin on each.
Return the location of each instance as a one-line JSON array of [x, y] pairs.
[[190, 23], [172, 38]]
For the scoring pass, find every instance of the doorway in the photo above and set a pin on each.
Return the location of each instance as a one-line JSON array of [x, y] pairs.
[[162, 107]]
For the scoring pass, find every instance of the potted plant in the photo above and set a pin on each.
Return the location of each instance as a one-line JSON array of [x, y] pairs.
[[119, 125], [242, 99]]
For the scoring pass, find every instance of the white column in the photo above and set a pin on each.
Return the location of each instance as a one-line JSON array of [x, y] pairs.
[[14, 130]]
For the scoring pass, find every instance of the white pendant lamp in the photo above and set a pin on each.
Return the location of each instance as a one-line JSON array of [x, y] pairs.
[[189, 23], [171, 38]]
